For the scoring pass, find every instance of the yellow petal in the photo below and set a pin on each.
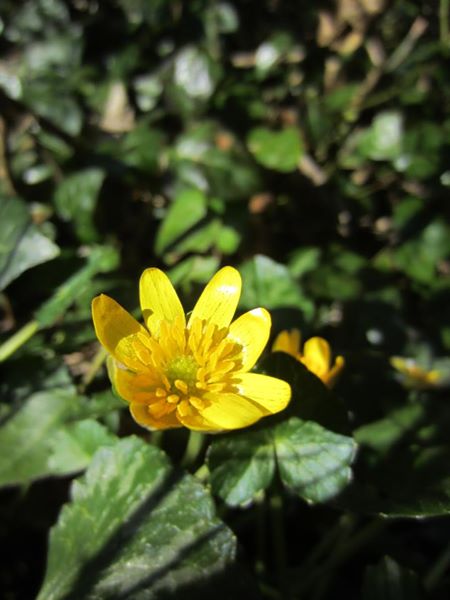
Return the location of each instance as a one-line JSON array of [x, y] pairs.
[[197, 423], [141, 415], [117, 331], [132, 387], [218, 301], [287, 341], [159, 300], [270, 393], [332, 376], [251, 331], [231, 411], [317, 356]]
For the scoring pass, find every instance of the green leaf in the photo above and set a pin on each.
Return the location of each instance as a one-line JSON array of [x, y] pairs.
[[418, 257], [195, 73], [313, 462], [135, 529], [75, 201], [209, 157], [304, 260], [51, 100], [41, 438], [142, 148], [268, 283], [22, 246], [73, 446], [241, 465], [383, 140], [188, 208], [101, 259], [390, 581], [194, 269], [402, 467], [212, 235], [277, 150], [383, 434], [422, 150]]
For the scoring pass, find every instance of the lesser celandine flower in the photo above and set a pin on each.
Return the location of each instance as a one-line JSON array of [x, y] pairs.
[[315, 355], [413, 375], [194, 373]]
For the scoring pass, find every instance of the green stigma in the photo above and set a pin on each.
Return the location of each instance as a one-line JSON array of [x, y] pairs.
[[184, 368]]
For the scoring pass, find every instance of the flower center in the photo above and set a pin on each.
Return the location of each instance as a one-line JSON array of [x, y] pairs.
[[182, 368]]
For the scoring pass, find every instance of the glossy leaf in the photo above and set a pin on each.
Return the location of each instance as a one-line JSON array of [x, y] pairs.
[[313, 462], [268, 283], [44, 438], [241, 466], [188, 208], [280, 151], [76, 198], [136, 529], [22, 245]]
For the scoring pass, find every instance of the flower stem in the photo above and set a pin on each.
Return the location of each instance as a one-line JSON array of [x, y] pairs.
[[319, 577], [193, 448], [279, 541], [437, 570], [18, 339], [443, 23], [94, 367]]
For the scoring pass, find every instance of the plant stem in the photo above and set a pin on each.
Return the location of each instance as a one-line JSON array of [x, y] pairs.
[[157, 438], [444, 6], [322, 575], [193, 448], [94, 367], [335, 535], [437, 570], [18, 339], [279, 541], [260, 534]]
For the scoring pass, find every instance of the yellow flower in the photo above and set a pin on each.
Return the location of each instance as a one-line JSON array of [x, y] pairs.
[[415, 376], [316, 355], [193, 373]]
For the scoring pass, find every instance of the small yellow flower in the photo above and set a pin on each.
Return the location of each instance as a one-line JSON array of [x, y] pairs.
[[316, 355], [193, 373], [413, 375]]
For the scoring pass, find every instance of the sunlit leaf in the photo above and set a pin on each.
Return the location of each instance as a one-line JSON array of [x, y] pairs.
[[268, 283], [278, 150], [313, 462], [75, 200], [42, 439], [22, 246], [136, 529], [188, 208], [241, 465]]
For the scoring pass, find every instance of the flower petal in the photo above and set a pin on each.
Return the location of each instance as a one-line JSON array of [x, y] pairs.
[[251, 330], [331, 377], [159, 300], [141, 415], [288, 342], [270, 393], [197, 423], [231, 411], [117, 331], [132, 387], [218, 301], [317, 356]]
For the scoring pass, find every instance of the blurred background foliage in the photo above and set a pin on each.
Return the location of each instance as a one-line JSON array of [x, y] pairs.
[[305, 143]]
